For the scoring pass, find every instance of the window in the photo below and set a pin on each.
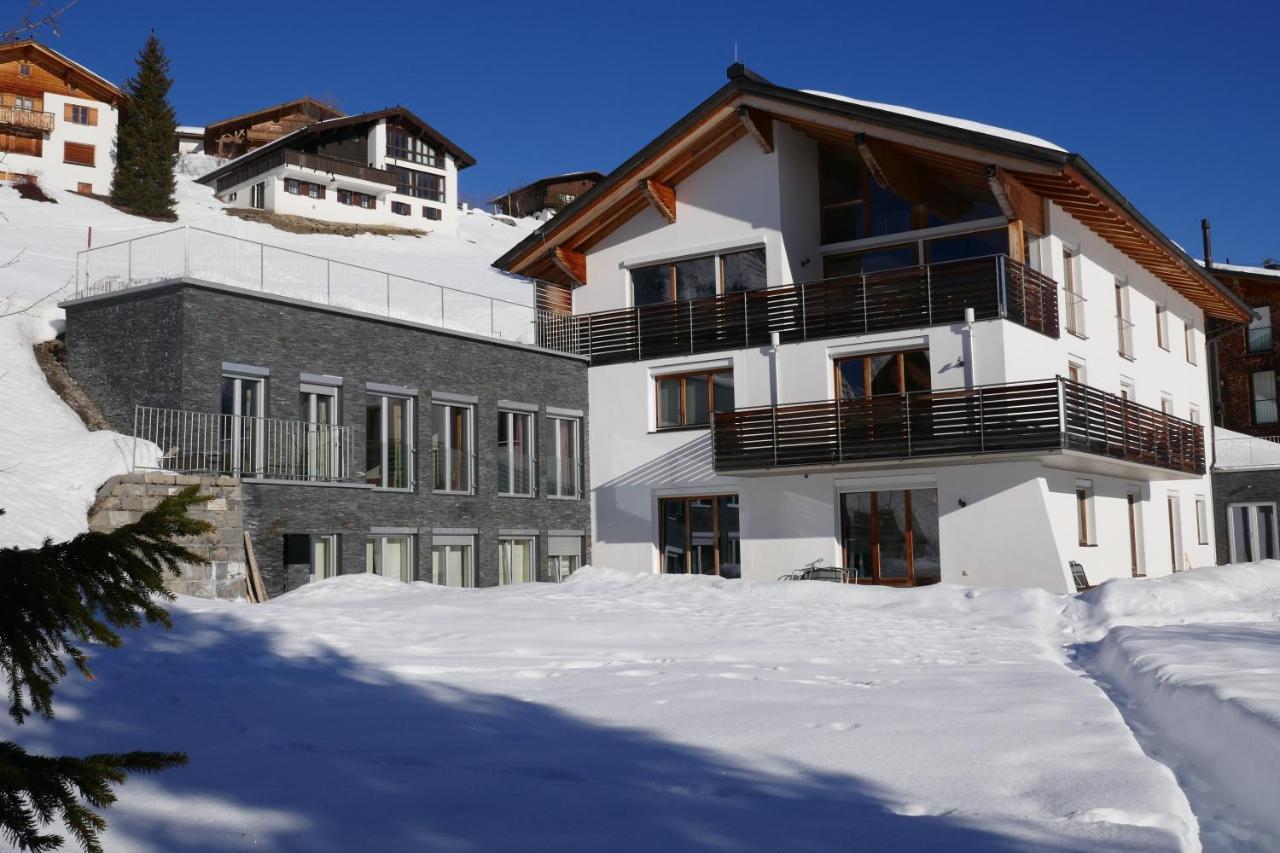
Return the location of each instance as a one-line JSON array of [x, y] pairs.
[[24, 103], [1202, 520], [294, 186], [1133, 508], [1175, 533], [1189, 341], [1251, 532], [567, 198], [688, 399], [418, 184], [564, 478], [1072, 296], [515, 453], [1162, 326], [242, 424], [389, 441], [1084, 513], [1127, 391], [700, 536], [435, 214], [699, 278], [861, 376], [355, 199], [1166, 403], [401, 208], [516, 560], [1264, 396], [564, 555], [1124, 326], [390, 556], [1075, 372], [322, 445], [1258, 334], [891, 537], [317, 552], [451, 444], [77, 153], [77, 114], [84, 188], [453, 560], [1193, 414], [404, 146], [24, 70], [258, 195]]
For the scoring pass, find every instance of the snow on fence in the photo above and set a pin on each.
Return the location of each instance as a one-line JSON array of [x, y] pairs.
[[1246, 452], [189, 252]]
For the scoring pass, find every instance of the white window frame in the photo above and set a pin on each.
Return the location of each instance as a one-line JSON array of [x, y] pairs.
[[1127, 386], [1166, 403], [530, 460], [1193, 413], [1254, 399], [1189, 341], [504, 571], [379, 542], [437, 442], [1124, 325], [1255, 540], [449, 542], [1202, 520], [555, 489], [330, 569], [258, 195], [383, 434]]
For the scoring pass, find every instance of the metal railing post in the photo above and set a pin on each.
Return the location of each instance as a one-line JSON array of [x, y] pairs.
[[906, 415], [839, 430], [388, 277], [774, 412], [1062, 412], [746, 322], [804, 312], [1001, 295], [493, 329], [635, 315], [137, 412], [328, 282]]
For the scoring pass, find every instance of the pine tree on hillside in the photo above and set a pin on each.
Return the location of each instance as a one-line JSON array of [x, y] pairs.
[[143, 181], [53, 599]]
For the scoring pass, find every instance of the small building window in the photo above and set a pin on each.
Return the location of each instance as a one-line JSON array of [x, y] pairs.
[[79, 114], [84, 188], [451, 444], [453, 560], [355, 199], [1073, 295], [1084, 512], [1258, 334], [1124, 326], [24, 69], [564, 555], [433, 213], [390, 556], [1202, 520], [517, 556], [1166, 403], [1189, 340], [688, 399], [77, 153], [258, 195], [564, 475], [1264, 396], [1162, 326], [294, 186], [400, 208], [516, 463]]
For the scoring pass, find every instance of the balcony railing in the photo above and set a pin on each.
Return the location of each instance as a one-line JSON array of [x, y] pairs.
[[908, 298], [29, 120], [1042, 416], [334, 166], [266, 448]]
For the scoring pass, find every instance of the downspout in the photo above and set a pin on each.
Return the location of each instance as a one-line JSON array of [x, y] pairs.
[[970, 354]]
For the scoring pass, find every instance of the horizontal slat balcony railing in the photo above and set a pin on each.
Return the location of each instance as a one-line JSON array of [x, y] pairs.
[[1047, 415], [17, 118], [265, 448], [334, 166], [909, 298]]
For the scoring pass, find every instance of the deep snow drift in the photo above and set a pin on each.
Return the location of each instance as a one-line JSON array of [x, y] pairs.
[[617, 712]]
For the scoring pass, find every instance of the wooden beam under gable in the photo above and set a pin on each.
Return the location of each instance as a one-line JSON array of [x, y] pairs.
[[661, 196], [759, 126], [571, 263], [1016, 200], [899, 174]]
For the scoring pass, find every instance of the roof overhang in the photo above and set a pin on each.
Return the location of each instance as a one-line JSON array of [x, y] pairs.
[[718, 122]]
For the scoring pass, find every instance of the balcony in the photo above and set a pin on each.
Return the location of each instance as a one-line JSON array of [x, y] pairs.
[[18, 120], [263, 448], [1027, 417], [909, 298], [334, 166]]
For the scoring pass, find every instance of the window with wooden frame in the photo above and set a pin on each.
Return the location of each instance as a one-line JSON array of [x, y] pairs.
[[355, 199], [1162, 326], [1084, 513], [293, 186], [84, 188], [401, 208], [80, 114], [24, 69], [699, 278], [858, 377], [435, 214], [699, 536], [688, 399], [77, 153], [402, 145]]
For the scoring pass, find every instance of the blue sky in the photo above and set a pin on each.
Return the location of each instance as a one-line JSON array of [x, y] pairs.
[[1175, 102]]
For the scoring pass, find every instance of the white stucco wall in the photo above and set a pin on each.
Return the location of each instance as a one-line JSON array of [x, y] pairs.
[[49, 168]]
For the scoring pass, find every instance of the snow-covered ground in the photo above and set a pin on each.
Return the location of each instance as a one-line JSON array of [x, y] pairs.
[[617, 712], [50, 466]]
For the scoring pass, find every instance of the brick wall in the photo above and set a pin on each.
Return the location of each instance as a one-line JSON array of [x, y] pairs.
[[1236, 365]]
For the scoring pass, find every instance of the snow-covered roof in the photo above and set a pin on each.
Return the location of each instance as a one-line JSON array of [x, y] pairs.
[[189, 130], [952, 121], [1243, 269]]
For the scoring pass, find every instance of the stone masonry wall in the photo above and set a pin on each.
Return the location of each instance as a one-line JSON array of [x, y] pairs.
[[122, 500]]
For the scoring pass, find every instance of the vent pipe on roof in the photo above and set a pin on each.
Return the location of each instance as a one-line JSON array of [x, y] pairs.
[[1208, 244]]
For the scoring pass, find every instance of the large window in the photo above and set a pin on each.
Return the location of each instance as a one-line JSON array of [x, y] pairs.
[[861, 376], [564, 477], [453, 560], [688, 399], [516, 559], [451, 444], [698, 278], [1263, 383], [700, 536], [405, 146], [934, 250], [390, 556], [564, 555], [515, 453], [1258, 335], [389, 442], [258, 195], [418, 184], [1251, 532], [891, 537]]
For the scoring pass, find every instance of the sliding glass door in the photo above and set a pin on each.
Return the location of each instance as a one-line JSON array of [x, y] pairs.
[[891, 537]]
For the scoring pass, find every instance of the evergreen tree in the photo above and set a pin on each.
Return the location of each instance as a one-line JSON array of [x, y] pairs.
[[143, 181], [53, 599]]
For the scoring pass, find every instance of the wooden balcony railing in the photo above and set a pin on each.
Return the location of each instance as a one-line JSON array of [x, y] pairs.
[[908, 298], [16, 118], [1047, 415], [335, 166]]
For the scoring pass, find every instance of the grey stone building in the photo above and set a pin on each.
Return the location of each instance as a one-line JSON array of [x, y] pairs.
[[363, 442]]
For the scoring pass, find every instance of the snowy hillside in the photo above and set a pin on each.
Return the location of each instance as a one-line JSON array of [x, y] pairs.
[[50, 466], [641, 713]]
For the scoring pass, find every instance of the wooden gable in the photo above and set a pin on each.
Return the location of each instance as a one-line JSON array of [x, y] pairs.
[[48, 72]]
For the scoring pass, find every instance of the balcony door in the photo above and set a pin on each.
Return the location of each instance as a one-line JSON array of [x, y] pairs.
[[891, 537], [871, 393], [243, 406], [321, 447]]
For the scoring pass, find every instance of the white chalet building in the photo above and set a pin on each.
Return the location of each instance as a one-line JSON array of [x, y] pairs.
[[57, 120], [914, 346], [380, 168]]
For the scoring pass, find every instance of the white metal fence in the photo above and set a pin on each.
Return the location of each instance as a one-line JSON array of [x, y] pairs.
[[189, 252], [271, 448]]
